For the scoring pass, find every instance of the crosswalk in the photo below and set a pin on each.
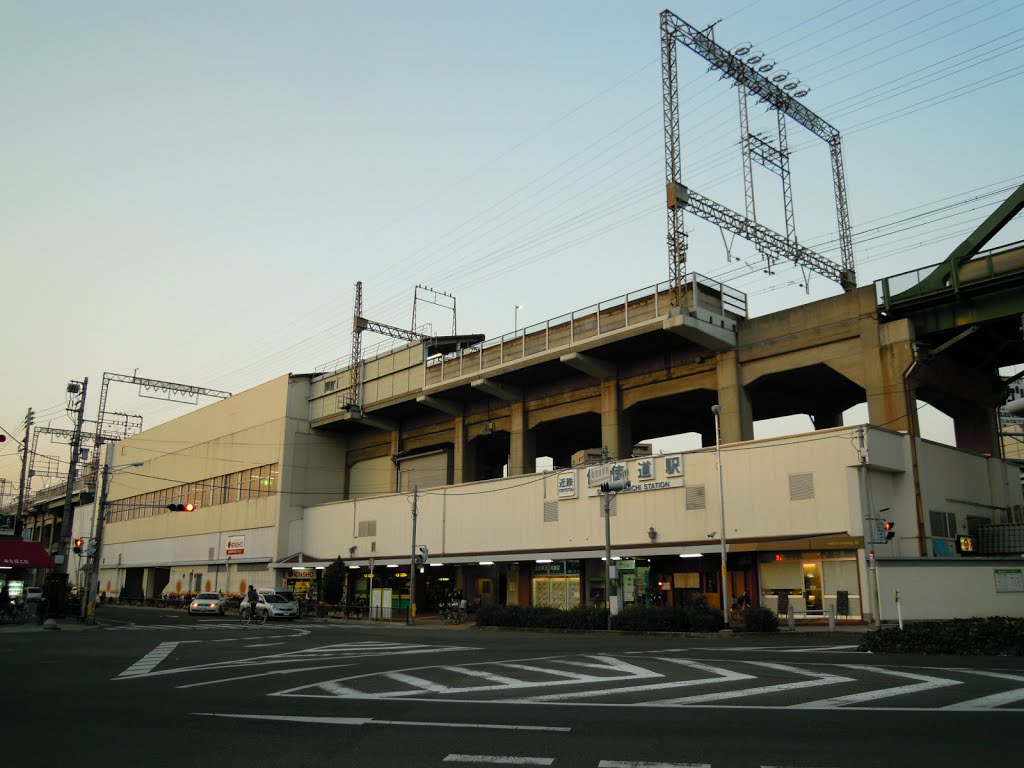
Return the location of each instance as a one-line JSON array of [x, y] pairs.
[[666, 680]]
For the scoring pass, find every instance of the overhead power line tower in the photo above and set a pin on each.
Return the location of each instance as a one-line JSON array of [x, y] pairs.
[[753, 76]]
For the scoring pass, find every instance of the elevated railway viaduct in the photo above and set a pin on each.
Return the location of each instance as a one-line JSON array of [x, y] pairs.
[[636, 368]]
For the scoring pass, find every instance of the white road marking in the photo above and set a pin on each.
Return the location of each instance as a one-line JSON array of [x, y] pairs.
[[145, 665], [261, 645], [995, 699], [635, 764], [499, 759], [820, 678], [260, 674], [374, 721], [927, 683], [722, 676]]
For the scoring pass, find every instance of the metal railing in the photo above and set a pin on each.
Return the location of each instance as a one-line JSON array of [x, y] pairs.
[[593, 321]]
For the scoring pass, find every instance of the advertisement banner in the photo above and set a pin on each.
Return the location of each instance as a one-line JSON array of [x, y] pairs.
[[235, 545]]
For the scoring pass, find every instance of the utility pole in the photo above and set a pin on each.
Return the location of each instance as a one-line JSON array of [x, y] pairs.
[[715, 409], [24, 465], [77, 389], [89, 603], [412, 557]]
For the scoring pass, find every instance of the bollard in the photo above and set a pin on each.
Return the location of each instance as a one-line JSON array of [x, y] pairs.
[[791, 618], [831, 617]]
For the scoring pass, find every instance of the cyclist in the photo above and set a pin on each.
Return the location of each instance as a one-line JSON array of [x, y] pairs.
[[254, 600]]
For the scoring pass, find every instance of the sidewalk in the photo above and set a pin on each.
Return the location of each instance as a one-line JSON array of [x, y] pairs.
[[33, 625]]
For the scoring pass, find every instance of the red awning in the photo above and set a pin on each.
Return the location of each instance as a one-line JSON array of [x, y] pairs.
[[24, 554]]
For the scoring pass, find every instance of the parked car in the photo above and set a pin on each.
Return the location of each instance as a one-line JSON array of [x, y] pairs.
[[207, 602], [33, 594], [275, 606]]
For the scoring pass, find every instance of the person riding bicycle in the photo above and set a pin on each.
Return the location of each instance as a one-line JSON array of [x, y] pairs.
[[254, 600]]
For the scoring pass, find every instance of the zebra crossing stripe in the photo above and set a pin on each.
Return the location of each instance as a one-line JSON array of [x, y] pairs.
[[635, 764], [819, 678], [994, 700], [927, 683], [145, 665], [499, 759]]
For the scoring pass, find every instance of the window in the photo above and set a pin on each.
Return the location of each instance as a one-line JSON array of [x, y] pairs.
[[367, 528]]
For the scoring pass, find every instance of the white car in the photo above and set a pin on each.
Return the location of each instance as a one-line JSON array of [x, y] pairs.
[[206, 602], [275, 606], [33, 594]]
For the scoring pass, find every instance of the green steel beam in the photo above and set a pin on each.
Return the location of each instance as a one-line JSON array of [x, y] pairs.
[[946, 274]]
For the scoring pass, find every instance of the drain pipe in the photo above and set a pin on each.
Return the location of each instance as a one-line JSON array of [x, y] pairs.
[[912, 433]]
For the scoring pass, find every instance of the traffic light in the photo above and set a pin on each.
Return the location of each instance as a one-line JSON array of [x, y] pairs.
[[614, 485], [91, 547], [424, 556], [78, 546], [889, 532], [188, 506]]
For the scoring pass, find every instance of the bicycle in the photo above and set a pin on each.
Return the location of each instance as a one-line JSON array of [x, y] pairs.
[[245, 616], [15, 614], [453, 613]]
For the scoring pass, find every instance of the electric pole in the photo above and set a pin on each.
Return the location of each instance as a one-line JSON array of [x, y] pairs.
[[77, 391], [412, 557], [24, 465]]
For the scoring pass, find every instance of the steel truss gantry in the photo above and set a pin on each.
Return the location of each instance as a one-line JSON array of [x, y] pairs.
[[750, 80]]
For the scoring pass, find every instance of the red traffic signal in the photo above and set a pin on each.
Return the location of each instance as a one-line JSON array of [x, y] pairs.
[[889, 532], [188, 506], [78, 546]]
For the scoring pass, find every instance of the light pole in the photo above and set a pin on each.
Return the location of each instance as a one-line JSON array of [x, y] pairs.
[[89, 604], [721, 500], [516, 322]]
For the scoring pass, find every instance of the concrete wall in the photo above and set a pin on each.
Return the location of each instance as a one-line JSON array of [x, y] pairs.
[[947, 589]]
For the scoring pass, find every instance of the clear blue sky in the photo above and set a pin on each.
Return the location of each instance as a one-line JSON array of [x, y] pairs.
[[191, 189]]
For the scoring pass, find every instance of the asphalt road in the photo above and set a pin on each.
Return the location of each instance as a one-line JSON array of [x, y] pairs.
[[158, 688]]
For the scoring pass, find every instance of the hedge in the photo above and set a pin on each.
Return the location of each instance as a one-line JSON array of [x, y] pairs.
[[995, 636]]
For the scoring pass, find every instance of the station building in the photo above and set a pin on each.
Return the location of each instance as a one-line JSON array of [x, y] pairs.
[[292, 474]]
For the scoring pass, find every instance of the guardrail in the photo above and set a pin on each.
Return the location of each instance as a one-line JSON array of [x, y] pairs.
[[595, 320]]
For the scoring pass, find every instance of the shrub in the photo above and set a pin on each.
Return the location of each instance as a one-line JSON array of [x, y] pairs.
[[703, 618], [643, 619], [760, 620], [581, 617], [994, 636]]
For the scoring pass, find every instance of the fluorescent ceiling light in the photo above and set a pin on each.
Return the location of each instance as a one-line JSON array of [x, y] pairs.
[[486, 562], [691, 554], [543, 561]]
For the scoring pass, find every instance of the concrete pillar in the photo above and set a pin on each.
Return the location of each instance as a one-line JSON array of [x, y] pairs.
[[736, 416], [616, 433], [827, 419], [977, 429], [887, 350], [522, 459], [464, 458], [396, 447]]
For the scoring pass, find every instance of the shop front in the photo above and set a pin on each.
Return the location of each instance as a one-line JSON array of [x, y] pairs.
[[556, 584], [811, 582]]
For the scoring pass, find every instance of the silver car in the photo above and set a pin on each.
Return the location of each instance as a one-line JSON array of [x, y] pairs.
[[206, 602], [275, 606]]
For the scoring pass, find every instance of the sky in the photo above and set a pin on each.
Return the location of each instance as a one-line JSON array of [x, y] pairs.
[[191, 190]]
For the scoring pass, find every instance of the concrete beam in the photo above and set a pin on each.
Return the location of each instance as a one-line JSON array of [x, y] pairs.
[[376, 422], [498, 390], [590, 365], [440, 404], [710, 331]]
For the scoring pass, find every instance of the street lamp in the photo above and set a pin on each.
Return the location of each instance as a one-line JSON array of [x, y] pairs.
[[89, 604], [721, 500], [516, 329]]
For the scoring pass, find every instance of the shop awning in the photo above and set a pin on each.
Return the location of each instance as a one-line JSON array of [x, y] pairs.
[[24, 554]]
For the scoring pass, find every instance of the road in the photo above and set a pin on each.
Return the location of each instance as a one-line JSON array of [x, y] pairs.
[[156, 687]]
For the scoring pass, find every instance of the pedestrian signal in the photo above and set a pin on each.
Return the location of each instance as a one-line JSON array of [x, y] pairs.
[[188, 506], [889, 532], [78, 546]]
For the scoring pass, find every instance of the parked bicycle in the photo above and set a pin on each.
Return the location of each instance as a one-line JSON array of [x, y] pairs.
[[14, 613], [245, 616], [453, 612]]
